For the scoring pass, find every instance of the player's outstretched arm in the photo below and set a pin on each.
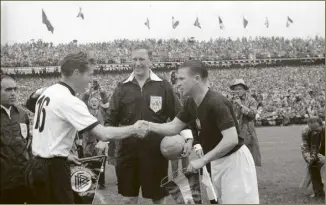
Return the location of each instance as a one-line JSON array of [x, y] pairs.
[[166, 129], [107, 133]]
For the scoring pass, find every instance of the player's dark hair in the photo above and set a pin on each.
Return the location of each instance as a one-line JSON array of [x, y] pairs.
[[315, 119], [79, 61], [196, 67], [145, 47], [6, 77]]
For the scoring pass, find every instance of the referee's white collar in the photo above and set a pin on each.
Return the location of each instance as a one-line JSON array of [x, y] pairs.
[[152, 76]]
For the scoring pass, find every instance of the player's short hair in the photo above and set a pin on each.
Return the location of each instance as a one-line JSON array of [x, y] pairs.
[[196, 67], [6, 77], [315, 119], [145, 47], [73, 61]]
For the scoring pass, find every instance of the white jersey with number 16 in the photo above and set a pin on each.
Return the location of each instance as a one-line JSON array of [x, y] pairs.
[[59, 115]]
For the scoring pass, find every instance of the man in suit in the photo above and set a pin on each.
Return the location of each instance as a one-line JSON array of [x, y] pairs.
[[313, 152]]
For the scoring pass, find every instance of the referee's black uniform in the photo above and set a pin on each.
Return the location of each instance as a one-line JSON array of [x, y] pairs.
[[140, 162]]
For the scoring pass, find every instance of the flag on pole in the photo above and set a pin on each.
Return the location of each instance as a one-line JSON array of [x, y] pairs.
[[174, 23], [80, 14], [245, 22], [266, 23], [220, 23], [46, 21], [289, 21], [147, 23], [197, 24]]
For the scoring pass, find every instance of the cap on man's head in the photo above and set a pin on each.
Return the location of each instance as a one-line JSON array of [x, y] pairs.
[[239, 82], [196, 67]]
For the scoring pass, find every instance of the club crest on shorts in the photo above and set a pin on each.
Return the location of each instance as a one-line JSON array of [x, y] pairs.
[[23, 129], [155, 103], [81, 179]]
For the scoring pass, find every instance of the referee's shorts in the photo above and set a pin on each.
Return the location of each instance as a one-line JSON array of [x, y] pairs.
[[140, 164], [49, 181]]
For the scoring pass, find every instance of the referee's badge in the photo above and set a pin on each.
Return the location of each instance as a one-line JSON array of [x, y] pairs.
[[156, 103], [81, 179], [23, 129]]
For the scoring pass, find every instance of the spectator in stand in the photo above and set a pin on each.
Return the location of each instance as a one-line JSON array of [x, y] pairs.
[[91, 146], [245, 108], [39, 53]]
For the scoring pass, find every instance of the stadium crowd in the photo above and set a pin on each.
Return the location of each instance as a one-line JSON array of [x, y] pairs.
[[285, 95], [39, 53]]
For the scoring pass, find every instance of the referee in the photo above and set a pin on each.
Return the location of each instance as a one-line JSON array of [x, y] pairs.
[[142, 96], [59, 115]]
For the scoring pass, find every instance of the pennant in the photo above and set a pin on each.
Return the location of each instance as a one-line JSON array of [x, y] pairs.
[[175, 24], [220, 23], [185, 188], [147, 23], [197, 24], [206, 180], [266, 23], [46, 21], [80, 14], [84, 178], [245, 22], [289, 21]]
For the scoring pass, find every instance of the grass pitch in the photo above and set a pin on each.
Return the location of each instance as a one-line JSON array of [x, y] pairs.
[[278, 179]]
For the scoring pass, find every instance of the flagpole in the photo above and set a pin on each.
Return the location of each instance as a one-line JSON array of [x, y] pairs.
[[172, 31], [149, 24], [149, 30], [197, 33]]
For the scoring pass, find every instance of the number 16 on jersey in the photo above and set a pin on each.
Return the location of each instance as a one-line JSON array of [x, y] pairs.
[[40, 109]]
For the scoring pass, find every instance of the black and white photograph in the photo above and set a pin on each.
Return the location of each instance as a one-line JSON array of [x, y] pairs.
[[162, 102]]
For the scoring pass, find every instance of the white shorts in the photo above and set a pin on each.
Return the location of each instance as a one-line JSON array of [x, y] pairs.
[[234, 178]]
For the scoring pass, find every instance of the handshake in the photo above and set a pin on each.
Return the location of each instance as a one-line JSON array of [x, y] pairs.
[[141, 128]]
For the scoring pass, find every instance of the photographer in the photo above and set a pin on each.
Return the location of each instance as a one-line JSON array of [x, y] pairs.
[[173, 78], [313, 152], [91, 146], [245, 108]]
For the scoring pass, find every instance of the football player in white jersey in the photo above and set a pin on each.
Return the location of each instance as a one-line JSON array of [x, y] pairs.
[[59, 115]]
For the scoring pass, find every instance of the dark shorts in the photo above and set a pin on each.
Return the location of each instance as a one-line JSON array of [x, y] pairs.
[[141, 164], [49, 181], [16, 195]]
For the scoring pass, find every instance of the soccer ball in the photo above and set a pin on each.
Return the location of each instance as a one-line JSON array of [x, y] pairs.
[[172, 147]]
